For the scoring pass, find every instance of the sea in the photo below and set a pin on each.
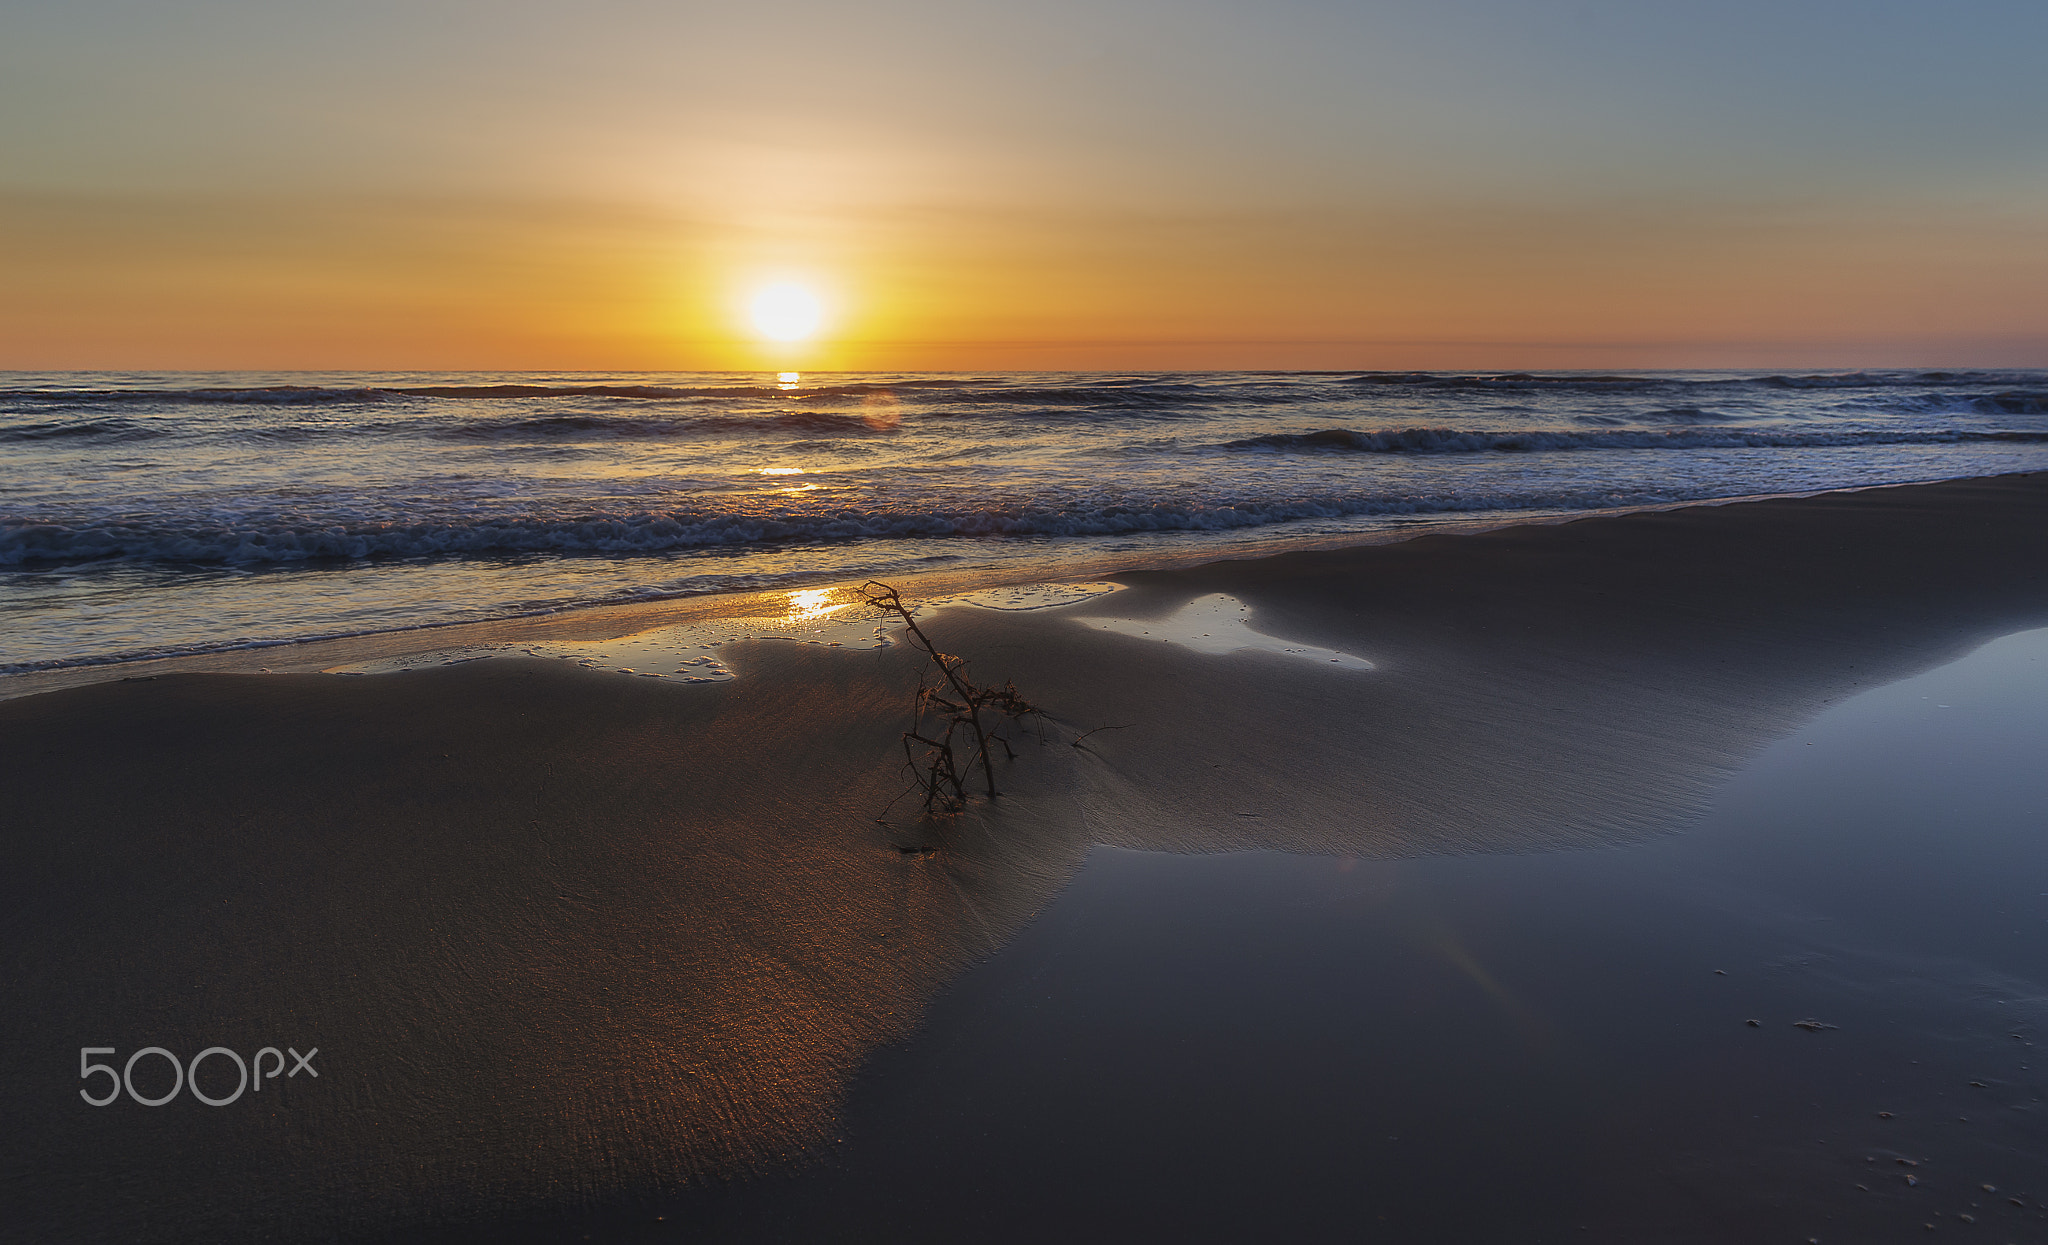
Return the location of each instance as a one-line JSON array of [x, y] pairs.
[[149, 514]]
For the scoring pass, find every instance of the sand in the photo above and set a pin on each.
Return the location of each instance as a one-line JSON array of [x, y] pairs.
[[564, 938]]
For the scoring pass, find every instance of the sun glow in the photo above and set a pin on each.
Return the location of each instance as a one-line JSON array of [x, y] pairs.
[[786, 312]]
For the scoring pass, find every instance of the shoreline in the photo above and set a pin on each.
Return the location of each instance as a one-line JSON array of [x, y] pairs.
[[565, 938], [615, 621]]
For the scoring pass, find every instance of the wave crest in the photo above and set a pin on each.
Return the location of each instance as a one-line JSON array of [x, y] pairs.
[[283, 541], [82, 430], [1454, 441]]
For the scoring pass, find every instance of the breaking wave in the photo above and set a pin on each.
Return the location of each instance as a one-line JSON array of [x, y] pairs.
[[79, 430], [285, 541], [1454, 441], [1555, 382]]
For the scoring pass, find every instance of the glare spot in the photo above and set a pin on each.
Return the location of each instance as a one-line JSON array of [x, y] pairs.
[[782, 471]]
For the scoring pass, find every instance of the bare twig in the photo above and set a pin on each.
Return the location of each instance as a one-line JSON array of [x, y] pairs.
[[957, 703]]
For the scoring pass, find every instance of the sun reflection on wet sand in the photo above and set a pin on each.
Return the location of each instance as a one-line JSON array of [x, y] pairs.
[[813, 604], [689, 653]]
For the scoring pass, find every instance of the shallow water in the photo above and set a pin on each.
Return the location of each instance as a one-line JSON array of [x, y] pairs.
[[155, 513], [1508, 1047]]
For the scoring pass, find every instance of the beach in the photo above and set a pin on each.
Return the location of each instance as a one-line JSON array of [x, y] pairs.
[[643, 958], [932, 623]]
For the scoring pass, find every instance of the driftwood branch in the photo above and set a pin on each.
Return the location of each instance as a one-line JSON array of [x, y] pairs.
[[955, 707]]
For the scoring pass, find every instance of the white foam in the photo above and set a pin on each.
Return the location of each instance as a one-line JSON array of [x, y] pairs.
[[1030, 596], [1219, 624]]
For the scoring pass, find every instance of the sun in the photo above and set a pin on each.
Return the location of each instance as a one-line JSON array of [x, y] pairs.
[[786, 312]]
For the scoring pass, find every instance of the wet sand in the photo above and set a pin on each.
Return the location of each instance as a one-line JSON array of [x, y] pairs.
[[1547, 1047], [573, 944]]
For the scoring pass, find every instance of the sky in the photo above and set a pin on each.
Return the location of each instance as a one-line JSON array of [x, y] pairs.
[[1117, 185]]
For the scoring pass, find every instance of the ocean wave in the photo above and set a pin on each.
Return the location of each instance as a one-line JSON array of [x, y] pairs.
[[281, 541], [270, 395], [1862, 380], [1455, 441], [1686, 415], [1148, 396], [80, 430], [572, 427], [1513, 381], [2014, 402], [1555, 382]]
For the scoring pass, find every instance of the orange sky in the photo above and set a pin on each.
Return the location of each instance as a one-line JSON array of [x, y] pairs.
[[1063, 190]]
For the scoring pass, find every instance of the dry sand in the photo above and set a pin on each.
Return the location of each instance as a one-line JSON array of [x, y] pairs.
[[561, 934]]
